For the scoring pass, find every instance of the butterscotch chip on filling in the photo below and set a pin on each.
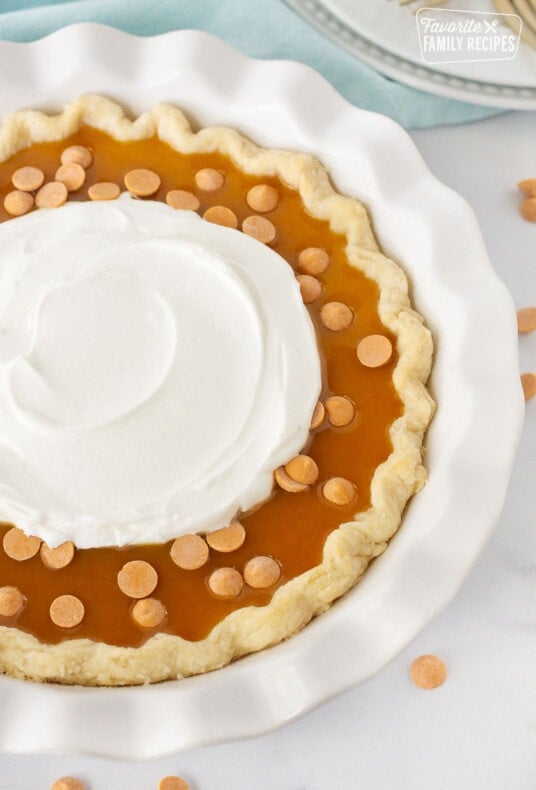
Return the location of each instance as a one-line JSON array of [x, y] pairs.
[[28, 178], [226, 582], [310, 288], [103, 190], [209, 180], [286, 482], [77, 154], [51, 195], [149, 613], [340, 410], [428, 672], [528, 187], [12, 601], [262, 198], [68, 783], [227, 539], [374, 351], [528, 382], [319, 414], [339, 491], [526, 320], [302, 469], [59, 557], [67, 611], [18, 203], [262, 572], [221, 215], [182, 199], [142, 182], [72, 175], [137, 579], [19, 546], [259, 228], [173, 783], [528, 209], [189, 552], [313, 260], [336, 316]]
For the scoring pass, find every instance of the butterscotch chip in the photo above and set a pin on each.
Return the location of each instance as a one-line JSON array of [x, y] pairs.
[[227, 539], [302, 469], [286, 482], [181, 199], [310, 288], [142, 182], [336, 316], [77, 154], [189, 552], [428, 672], [528, 382], [103, 190], [259, 228], [28, 178], [221, 215], [319, 414], [19, 546], [528, 187], [12, 602], [262, 198], [313, 260], [137, 579], [226, 582], [526, 320], [68, 783], [72, 175], [340, 410], [149, 613], [173, 783], [18, 203], [261, 572], [374, 351], [338, 490], [209, 180], [67, 611], [59, 557], [528, 209], [51, 195]]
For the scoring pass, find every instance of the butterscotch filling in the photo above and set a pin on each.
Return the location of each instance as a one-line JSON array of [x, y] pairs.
[[185, 587]]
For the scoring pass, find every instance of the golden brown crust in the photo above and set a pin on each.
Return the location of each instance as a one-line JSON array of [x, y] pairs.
[[349, 549]]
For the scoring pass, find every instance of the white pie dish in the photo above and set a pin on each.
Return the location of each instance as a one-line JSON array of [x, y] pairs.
[[434, 234]]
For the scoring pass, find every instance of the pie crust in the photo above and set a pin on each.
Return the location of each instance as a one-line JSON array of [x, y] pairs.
[[348, 549]]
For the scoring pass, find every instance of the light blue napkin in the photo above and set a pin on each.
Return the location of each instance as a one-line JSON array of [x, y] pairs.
[[261, 28]]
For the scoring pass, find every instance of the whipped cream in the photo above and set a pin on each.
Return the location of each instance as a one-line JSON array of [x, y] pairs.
[[154, 370]]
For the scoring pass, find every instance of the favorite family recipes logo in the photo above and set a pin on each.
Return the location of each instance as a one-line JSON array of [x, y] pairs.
[[453, 36]]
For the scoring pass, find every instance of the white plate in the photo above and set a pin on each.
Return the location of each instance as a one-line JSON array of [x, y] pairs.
[[384, 34], [433, 232]]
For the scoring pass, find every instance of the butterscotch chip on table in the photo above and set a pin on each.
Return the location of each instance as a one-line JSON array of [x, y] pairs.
[[68, 783], [149, 613], [310, 288], [286, 482], [319, 414], [528, 382], [209, 180], [183, 200], [339, 491], [57, 558], [221, 215], [336, 316], [528, 209], [51, 195], [313, 260], [227, 539], [189, 552], [142, 182], [340, 410], [19, 546], [103, 190], [28, 179], [17, 203], [374, 351], [261, 572], [67, 611], [302, 469], [262, 198], [226, 582], [428, 672], [77, 154], [528, 187], [173, 783], [137, 579], [12, 601], [526, 320], [72, 175], [259, 228]]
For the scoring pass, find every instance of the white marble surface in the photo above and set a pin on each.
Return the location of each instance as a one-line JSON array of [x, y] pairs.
[[477, 732]]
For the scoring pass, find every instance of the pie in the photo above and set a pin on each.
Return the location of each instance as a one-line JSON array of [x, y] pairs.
[[212, 395]]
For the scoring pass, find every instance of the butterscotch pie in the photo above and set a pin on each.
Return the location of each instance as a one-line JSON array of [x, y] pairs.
[[212, 395]]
